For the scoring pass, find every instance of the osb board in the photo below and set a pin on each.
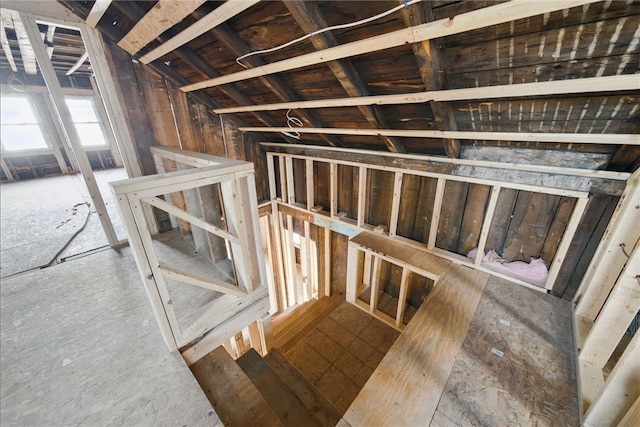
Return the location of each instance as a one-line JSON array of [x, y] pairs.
[[407, 385], [516, 364]]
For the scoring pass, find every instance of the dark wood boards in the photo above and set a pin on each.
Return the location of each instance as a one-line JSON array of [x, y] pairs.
[[284, 402], [236, 400], [320, 407]]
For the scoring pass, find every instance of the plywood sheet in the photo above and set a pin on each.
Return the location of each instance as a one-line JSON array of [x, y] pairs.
[[407, 385], [516, 364]]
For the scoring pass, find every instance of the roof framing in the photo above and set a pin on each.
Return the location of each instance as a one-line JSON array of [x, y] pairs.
[[485, 17]]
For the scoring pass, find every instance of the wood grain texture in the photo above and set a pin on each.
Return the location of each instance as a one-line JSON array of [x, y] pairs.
[[406, 387], [235, 399]]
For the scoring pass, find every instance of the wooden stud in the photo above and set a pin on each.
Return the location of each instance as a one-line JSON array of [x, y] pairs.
[[375, 282], [276, 242], [620, 390], [272, 176], [51, 79], [632, 417], [211, 283], [565, 242], [480, 18], [291, 252], [566, 138], [333, 176], [362, 194], [609, 258], [267, 249], [486, 223], [221, 14], [395, 203], [402, 297], [163, 15], [352, 273], [291, 192], [327, 263], [309, 181], [435, 217]]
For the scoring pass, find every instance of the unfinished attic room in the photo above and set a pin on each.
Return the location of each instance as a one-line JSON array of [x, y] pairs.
[[320, 213]]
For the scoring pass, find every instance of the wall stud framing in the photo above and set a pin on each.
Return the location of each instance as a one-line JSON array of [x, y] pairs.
[[486, 223], [395, 203]]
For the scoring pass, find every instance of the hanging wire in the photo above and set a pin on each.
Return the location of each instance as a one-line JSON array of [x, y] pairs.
[[293, 120], [334, 27], [13, 80]]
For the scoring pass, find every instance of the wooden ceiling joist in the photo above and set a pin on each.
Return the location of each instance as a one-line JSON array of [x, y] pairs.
[[97, 11], [560, 87], [431, 69], [485, 17], [310, 19], [563, 138], [164, 15], [12, 19], [6, 48], [233, 42], [224, 12]]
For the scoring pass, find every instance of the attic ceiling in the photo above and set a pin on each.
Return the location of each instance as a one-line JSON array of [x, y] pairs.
[[584, 40]]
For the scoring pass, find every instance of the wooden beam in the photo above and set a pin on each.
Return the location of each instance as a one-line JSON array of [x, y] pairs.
[[221, 14], [563, 138], [51, 30], [211, 283], [557, 87], [225, 34], [310, 19], [32, 34], [78, 63], [6, 48], [431, 69], [97, 11], [26, 49], [164, 15], [485, 17]]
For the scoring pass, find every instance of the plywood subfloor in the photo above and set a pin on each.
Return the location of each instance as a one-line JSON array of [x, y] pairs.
[[80, 346]]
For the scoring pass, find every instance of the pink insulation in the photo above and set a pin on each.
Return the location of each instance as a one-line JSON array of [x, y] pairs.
[[534, 271]]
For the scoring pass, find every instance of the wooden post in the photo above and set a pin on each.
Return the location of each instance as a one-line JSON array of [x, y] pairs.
[[272, 176], [333, 174], [375, 279], [402, 297], [362, 194], [395, 203], [352, 273], [486, 223], [310, 188], [435, 216]]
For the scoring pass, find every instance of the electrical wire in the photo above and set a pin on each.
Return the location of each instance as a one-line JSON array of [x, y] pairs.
[[293, 120], [334, 27]]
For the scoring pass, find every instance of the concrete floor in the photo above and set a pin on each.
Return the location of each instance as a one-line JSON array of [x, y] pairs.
[[79, 342]]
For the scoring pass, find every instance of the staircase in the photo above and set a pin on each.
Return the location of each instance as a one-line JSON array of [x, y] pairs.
[[269, 391]]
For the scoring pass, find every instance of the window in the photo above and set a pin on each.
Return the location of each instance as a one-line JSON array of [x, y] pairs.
[[85, 118], [20, 125]]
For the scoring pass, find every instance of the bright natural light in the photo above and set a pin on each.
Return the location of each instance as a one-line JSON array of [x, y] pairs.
[[87, 123], [20, 125]]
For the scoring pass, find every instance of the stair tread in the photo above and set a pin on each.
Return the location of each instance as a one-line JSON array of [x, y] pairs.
[[319, 405], [283, 401], [234, 397], [312, 315]]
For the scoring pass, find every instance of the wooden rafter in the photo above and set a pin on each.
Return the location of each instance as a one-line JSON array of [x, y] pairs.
[[12, 20], [231, 40], [310, 19], [6, 48], [558, 87], [565, 138], [78, 64], [135, 12], [432, 71], [97, 11], [51, 31], [485, 17], [220, 15], [164, 15]]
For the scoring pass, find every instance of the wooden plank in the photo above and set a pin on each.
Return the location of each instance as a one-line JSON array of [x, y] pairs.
[[486, 223], [609, 259], [362, 195], [435, 217], [566, 138], [488, 16], [320, 407], [556, 87], [616, 315], [620, 391], [97, 11], [402, 297], [6, 48], [25, 44], [407, 385], [164, 15], [235, 399], [186, 276], [632, 417], [221, 14], [395, 204], [284, 402]]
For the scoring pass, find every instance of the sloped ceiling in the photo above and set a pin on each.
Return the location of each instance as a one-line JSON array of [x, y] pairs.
[[579, 40]]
